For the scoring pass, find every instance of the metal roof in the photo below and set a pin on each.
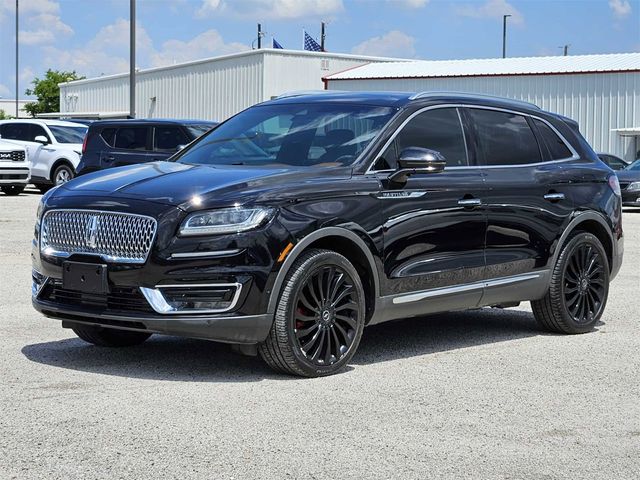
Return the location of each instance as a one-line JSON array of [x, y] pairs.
[[573, 64]]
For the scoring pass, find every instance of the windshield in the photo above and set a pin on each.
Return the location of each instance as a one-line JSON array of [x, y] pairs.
[[634, 166], [66, 134], [300, 135], [197, 130]]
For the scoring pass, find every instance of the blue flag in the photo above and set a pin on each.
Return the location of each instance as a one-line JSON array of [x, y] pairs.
[[310, 44], [275, 44]]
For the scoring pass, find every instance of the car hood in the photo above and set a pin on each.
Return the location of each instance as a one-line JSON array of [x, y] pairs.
[[195, 186]]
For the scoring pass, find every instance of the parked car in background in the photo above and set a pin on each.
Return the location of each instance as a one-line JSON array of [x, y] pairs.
[[114, 143], [54, 148], [294, 224], [615, 163], [629, 178], [14, 168]]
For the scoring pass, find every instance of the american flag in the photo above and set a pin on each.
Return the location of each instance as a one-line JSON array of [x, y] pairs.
[[310, 44]]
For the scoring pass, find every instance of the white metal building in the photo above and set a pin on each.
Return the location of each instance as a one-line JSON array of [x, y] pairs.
[[210, 89], [601, 92], [8, 105]]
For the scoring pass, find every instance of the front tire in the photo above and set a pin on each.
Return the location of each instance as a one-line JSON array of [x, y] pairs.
[[109, 337], [578, 289], [319, 318], [62, 174], [12, 190]]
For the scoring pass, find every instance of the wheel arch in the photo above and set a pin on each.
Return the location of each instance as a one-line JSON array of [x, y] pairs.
[[345, 242], [57, 163], [591, 222]]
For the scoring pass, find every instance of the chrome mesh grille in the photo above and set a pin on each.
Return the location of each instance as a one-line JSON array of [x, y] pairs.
[[118, 237]]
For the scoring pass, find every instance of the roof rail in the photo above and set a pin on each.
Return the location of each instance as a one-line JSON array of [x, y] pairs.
[[299, 93], [432, 93]]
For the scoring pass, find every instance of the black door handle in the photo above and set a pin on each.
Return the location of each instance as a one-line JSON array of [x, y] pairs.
[[109, 158]]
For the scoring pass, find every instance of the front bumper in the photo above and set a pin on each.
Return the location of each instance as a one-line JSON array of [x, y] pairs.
[[238, 329], [631, 198], [14, 175]]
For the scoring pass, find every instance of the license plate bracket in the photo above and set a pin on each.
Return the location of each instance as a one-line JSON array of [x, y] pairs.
[[85, 277]]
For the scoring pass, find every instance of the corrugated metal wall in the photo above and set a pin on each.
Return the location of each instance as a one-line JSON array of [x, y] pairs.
[[598, 102], [212, 89]]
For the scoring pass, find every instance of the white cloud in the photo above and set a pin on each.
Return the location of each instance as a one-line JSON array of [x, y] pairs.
[[270, 9], [410, 3], [48, 27], [206, 44], [108, 51], [5, 92], [620, 8], [391, 44], [492, 9]]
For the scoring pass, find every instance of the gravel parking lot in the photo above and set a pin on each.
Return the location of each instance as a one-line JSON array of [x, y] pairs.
[[480, 394]]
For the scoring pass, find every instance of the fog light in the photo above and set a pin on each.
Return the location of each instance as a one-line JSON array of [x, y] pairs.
[[199, 298]]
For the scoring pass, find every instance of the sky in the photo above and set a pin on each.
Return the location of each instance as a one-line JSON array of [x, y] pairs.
[[91, 36]]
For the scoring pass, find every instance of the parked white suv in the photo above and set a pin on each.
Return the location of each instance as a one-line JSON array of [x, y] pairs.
[[14, 168], [54, 148]]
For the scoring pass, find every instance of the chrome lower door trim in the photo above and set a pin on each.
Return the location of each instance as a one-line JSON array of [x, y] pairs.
[[439, 292]]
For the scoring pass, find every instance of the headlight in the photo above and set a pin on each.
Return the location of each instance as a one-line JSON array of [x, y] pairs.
[[633, 187], [226, 220]]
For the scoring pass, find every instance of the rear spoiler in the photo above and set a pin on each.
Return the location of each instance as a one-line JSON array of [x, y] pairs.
[[571, 122]]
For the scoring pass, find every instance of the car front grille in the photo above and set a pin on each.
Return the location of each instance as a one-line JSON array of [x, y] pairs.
[[118, 300], [114, 236], [14, 156]]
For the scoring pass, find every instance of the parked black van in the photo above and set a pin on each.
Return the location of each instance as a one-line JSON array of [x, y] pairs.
[[115, 143], [296, 223]]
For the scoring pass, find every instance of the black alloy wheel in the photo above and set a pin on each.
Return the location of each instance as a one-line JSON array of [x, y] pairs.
[[584, 287], [320, 316], [326, 313], [578, 287]]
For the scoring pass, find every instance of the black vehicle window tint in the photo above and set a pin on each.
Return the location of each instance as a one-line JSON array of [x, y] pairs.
[[132, 138], [504, 138], [37, 131], [554, 143], [439, 130], [16, 131], [168, 138], [109, 136]]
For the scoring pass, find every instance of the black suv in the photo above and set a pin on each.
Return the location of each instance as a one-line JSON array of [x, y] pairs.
[[115, 143], [296, 223]]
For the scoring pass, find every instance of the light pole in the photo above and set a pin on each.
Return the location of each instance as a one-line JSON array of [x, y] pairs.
[[504, 35], [132, 58], [17, 77]]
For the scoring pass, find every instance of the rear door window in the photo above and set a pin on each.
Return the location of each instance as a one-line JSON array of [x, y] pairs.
[[504, 138], [169, 138], [558, 150], [132, 138], [109, 136]]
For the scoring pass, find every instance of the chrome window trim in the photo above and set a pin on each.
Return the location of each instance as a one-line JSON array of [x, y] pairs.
[[157, 301], [51, 252], [574, 154]]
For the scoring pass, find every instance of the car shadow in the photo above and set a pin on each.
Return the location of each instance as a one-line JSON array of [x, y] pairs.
[[631, 210], [180, 359]]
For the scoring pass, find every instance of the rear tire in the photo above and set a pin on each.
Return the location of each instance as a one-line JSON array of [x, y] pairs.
[[109, 337], [12, 190], [578, 289], [319, 318]]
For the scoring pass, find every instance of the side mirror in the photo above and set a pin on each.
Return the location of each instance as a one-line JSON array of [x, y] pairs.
[[417, 160], [41, 139]]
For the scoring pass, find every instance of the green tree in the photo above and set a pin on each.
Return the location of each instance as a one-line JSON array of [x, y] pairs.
[[48, 92], [4, 115]]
